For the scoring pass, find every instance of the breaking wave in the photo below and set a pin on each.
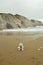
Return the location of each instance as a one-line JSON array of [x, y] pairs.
[[33, 29]]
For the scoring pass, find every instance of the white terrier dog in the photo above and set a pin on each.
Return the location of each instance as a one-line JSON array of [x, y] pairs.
[[20, 47]]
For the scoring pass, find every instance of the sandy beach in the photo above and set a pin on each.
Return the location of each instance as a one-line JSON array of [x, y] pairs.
[[32, 54]]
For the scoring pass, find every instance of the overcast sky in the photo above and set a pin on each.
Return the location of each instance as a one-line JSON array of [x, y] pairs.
[[28, 8]]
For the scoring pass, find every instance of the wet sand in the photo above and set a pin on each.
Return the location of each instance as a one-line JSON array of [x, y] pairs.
[[32, 54]]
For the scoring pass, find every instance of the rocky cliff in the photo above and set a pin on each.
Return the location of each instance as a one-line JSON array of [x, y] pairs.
[[10, 21]]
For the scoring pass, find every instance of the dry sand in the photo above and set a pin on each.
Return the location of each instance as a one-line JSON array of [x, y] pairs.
[[32, 54]]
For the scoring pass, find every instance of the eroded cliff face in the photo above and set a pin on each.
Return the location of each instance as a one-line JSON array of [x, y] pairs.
[[9, 21]]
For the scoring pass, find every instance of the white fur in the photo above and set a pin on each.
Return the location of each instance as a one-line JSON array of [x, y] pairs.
[[20, 44]]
